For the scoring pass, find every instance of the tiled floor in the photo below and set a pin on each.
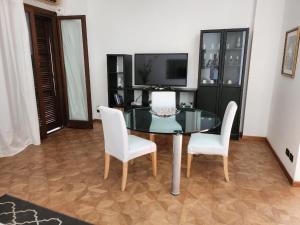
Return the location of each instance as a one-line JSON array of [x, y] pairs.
[[65, 174]]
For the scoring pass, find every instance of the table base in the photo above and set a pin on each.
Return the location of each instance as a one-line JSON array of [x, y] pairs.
[[177, 150]]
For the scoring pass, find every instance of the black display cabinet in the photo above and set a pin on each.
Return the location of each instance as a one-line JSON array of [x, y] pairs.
[[222, 61], [119, 80]]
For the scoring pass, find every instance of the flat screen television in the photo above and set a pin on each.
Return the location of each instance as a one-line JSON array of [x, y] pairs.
[[161, 69]]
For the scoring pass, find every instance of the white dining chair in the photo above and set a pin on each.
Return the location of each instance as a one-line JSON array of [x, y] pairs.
[[161, 100], [212, 144], [121, 145]]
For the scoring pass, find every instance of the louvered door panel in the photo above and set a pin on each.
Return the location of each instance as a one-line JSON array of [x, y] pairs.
[[47, 81]]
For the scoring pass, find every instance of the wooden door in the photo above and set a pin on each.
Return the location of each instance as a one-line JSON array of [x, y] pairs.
[[44, 53], [48, 83], [75, 68]]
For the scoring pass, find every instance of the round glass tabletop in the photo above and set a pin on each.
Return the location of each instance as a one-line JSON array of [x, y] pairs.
[[184, 122]]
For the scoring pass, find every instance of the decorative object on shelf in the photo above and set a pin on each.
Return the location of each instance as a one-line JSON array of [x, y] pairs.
[[229, 82], [238, 43], [137, 101], [203, 59], [230, 60], [204, 81], [205, 73], [165, 112], [118, 99], [228, 46], [120, 82], [237, 60], [290, 55], [184, 105], [213, 64]]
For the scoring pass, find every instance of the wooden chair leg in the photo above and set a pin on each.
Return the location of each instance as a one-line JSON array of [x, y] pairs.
[[152, 137], [106, 165], [189, 163], [225, 162], [124, 176], [154, 163]]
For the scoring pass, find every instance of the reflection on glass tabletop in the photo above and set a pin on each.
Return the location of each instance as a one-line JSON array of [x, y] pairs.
[[186, 121]]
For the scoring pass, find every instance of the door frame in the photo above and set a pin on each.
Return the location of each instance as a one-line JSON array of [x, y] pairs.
[[58, 79], [77, 123]]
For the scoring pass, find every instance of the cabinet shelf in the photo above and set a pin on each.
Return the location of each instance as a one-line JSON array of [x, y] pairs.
[[232, 66], [234, 49], [117, 106], [207, 67], [115, 72], [211, 50], [208, 85], [232, 85], [116, 89]]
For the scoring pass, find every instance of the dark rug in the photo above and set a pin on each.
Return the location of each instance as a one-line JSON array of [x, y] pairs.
[[16, 211]]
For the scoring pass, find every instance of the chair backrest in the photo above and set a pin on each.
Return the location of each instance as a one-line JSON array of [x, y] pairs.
[[227, 123], [115, 133], [163, 99]]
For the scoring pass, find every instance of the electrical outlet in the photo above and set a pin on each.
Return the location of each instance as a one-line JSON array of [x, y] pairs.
[[289, 154], [97, 109], [291, 157]]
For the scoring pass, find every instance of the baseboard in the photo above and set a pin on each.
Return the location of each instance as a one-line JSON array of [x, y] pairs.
[[286, 173], [97, 120], [290, 179], [296, 184], [253, 138]]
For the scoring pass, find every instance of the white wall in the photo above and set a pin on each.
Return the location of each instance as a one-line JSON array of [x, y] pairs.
[[284, 128], [137, 26], [263, 66], [41, 4], [66, 7]]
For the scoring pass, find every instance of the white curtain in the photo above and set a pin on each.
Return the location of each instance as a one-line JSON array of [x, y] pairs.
[[19, 126], [74, 66]]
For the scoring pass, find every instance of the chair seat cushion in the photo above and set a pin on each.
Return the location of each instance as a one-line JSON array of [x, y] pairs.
[[139, 146], [208, 144]]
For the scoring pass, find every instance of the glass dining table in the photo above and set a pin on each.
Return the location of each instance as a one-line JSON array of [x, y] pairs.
[[185, 121]]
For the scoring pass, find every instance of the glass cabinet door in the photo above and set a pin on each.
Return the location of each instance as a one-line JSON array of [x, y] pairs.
[[234, 57], [210, 58]]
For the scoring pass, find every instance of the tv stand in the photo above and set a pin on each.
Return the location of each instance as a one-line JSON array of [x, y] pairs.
[[145, 95], [160, 88]]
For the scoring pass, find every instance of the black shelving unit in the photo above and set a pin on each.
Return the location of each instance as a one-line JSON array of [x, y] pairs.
[[119, 80], [222, 59]]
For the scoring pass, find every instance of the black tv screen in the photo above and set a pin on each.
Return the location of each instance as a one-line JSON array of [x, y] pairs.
[[161, 69]]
